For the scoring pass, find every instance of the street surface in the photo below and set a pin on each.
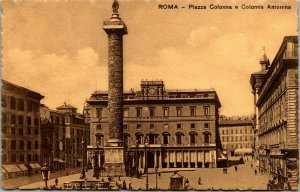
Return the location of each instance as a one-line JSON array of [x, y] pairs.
[[243, 179], [25, 180]]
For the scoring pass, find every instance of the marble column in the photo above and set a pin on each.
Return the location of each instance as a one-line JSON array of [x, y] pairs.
[[160, 160], [114, 150]]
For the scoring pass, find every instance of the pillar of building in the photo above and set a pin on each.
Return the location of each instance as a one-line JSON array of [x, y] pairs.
[[175, 158], [196, 159], [160, 160], [182, 158], [168, 159], [114, 150], [203, 164], [189, 159], [155, 159]]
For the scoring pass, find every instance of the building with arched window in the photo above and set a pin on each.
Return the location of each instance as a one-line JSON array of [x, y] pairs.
[[178, 128]]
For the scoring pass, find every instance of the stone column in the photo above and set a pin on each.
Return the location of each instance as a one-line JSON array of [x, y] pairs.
[[175, 158], [160, 160], [155, 159], [189, 160], [203, 164], [114, 150], [168, 159], [196, 159], [182, 158]]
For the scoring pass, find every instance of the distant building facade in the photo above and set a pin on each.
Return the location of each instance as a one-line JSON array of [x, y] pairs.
[[63, 130], [177, 128], [275, 90], [236, 134], [21, 136]]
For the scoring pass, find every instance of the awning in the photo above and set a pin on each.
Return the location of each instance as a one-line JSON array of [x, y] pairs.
[[234, 158], [22, 167], [61, 161], [12, 168], [221, 156], [243, 150], [37, 165], [79, 160], [55, 159]]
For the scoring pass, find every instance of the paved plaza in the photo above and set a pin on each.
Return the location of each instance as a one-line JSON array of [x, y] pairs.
[[243, 179]]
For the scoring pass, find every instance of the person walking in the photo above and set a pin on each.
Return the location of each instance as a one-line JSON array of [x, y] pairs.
[[124, 185], [235, 167], [255, 172], [130, 185], [56, 182]]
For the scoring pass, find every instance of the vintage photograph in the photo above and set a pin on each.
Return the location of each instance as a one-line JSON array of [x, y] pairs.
[[149, 95]]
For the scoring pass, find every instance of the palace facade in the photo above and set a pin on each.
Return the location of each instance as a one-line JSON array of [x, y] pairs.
[[275, 90], [236, 134], [21, 136], [164, 128]]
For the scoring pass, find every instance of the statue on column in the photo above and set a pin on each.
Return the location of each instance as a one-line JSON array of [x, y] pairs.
[[115, 6]]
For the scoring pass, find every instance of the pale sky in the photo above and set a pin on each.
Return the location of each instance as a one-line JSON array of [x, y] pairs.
[[58, 47]]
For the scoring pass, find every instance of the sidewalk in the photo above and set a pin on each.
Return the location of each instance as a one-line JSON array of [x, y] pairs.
[[15, 183]]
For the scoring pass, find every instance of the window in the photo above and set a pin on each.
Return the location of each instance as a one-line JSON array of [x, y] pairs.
[[29, 106], [4, 118], [36, 121], [99, 127], [28, 120], [13, 158], [67, 120], [21, 158], [193, 111], [125, 126], [165, 139], [21, 120], [179, 111], [99, 113], [166, 126], [21, 131], [3, 99], [223, 132], [138, 112], [236, 131], [29, 145], [126, 112], [13, 130], [138, 126], [151, 126], [36, 157], [178, 139], [57, 120], [231, 131], [29, 158], [179, 126], [152, 111], [36, 145], [139, 139], [241, 131], [12, 102], [36, 131], [3, 144], [206, 125], [206, 138], [13, 144], [4, 130], [193, 125], [4, 160], [206, 111], [245, 138], [193, 139], [28, 131], [21, 145], [166, 112], [13, 119], [20, 104]]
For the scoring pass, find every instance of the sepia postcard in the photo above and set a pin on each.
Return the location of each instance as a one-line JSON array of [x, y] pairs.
[[149, 95]]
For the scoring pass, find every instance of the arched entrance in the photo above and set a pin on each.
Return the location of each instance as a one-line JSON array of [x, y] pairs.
[[150, 159]]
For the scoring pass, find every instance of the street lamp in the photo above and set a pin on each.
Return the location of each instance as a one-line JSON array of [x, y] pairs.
[[46, 171], [156, 169], [136, 160], [82, 175], [146, 165]]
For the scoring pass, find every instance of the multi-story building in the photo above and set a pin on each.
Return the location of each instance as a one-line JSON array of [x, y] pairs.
[[275, 90], [236, 134], [63, 130], [21, 136], [177, 128]]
